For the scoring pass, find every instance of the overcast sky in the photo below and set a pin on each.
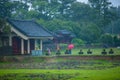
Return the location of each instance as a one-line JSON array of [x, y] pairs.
[[114, 2]]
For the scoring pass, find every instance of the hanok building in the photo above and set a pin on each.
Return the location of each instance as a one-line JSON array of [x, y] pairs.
[[63, 36], [26, 36]]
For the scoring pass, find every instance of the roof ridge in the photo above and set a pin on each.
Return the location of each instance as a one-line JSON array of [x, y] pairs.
[[24, 20]]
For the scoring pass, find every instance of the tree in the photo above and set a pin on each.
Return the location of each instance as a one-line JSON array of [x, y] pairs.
[[45, 9], [114, 27], [20, 10], [5, 8], [5, 12], [57, 24], [90, 32], [101, 9], [107, 39], [80, 12], [116, 41], [11, 9], [65, 7]]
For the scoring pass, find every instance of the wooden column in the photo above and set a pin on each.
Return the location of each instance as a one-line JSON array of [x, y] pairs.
[[41, 44], [35, 44], [28, 46], [10, 39], [22, 46]]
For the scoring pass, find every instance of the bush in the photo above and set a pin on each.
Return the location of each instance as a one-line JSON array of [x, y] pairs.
[[116, 41], [107, 39], [78, 41]]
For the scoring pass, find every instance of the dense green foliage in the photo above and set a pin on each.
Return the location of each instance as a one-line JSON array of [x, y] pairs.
[[89, 22]]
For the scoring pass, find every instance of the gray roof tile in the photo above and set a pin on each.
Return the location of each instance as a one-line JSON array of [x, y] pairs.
[[30, 28]]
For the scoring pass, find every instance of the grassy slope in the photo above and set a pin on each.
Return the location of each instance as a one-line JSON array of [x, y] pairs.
[[108, 74]]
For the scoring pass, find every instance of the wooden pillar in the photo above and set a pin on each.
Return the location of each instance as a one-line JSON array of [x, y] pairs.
[[28, 46], [22, 46], [10, 40], [35, 44], [41, 44]]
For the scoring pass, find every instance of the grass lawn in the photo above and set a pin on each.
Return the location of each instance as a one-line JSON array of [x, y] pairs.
[[95, 51], [38, 74]]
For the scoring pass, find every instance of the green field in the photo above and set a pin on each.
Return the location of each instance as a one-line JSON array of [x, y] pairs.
[[95, 51], [38, 74], [61, 68]]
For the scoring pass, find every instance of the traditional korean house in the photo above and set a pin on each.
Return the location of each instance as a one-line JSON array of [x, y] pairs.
[[63, 36], [26, 36]]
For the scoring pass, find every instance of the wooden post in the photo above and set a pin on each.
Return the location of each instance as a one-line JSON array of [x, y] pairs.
[[35, 44], [10, 40], [22, 46], [28, 46], [41, 44]]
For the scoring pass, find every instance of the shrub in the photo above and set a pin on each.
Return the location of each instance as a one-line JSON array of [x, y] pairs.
[[78, 41], [107, 39]]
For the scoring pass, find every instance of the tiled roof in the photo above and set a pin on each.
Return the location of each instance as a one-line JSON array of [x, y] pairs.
[[64, 32], [30, 28]]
